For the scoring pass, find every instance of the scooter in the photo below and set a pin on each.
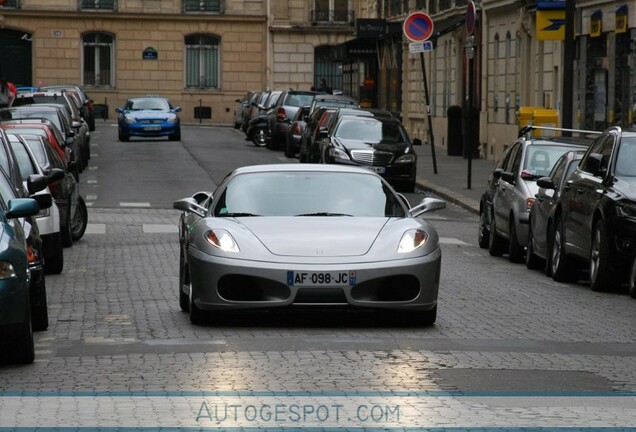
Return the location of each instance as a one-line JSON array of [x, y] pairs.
[[258, 129]]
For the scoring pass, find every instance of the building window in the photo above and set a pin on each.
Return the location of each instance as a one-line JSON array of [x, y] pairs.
[[10, 4], [202, 61], [332, 11], [203, 6], [444, 5], [98, 69], [420, 4], [109, 5]]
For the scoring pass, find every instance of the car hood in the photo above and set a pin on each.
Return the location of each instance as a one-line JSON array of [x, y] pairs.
[[311, 236], [381, 146], [626, 186], [150, 114]]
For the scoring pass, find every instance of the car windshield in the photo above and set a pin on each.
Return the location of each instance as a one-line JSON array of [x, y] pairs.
[[369, 130], [24, 160], [297, 193], [155, 104], [540, 159], [626, 158]]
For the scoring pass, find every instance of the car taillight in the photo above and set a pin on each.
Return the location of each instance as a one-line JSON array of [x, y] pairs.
[[529, 203], [280, 114], [89, 105], [32, 254], [296, 129], [526, 175]]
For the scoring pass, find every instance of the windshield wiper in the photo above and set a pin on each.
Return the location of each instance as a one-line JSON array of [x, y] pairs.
[[324, 214], [237, 214]]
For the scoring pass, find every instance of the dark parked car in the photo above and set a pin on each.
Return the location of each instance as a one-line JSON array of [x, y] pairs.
[[595, 223], [257, 102], [294, 134], [372, 139], [88, 113], [506, 203], [242, 106], [148, 116], [541, 223], [283, 111], [16, 330]]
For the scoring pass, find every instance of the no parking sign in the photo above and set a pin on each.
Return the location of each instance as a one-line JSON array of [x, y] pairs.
[[418, 27]]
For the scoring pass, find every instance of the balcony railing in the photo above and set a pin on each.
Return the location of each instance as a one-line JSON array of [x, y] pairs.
[[107, 5], [215, 6], [10, 4], [325, 16]]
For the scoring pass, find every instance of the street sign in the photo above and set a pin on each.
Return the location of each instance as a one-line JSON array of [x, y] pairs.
[[420, 47], [418, 27], [470, 17]]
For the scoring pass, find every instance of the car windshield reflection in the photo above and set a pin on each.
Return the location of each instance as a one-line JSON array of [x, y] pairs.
[[308, 194]]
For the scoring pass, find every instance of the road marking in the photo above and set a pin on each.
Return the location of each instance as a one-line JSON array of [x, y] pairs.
[[134, 204], [91, 181], [92, 168], [95, 229], [452, 241], [159, 229], [91, 197]]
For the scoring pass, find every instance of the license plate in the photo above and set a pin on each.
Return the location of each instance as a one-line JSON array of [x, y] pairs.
[[152, 128], [379, 170], [326, 279]]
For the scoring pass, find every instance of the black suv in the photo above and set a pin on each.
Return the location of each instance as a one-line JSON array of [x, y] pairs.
[[596, 221], [283, 112]]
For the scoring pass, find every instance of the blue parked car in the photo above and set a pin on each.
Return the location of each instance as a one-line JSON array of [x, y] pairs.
[[16, 332], [149, 116]]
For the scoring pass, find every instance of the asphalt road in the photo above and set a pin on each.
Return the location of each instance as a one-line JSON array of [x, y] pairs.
[[504, 334]]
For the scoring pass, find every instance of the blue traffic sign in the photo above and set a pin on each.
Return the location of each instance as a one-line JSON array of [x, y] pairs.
[[418, 27]]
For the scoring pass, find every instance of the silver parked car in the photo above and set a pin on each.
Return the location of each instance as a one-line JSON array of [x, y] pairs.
[[301, 235], [505, 205]]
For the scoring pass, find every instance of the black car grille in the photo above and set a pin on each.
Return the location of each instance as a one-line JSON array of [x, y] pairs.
[[372, 157]]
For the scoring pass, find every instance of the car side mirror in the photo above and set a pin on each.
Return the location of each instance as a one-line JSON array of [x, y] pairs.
[[546, 183], [44, 200], [427, 205], [417, 142], [119, 110], [496, 174], [69, 141], [508, 177], [36, 183], [177, 109], [55, 174], [76, 125]]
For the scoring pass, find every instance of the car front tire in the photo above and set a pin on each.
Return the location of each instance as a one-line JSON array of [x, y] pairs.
[[632, 279], [80, 220], [601, 278], [562, 268], [25, 349], [496, 243], [123, 136], [483, 234], [533, 262]]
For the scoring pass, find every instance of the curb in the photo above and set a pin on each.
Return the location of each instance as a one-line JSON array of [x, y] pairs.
[[452, 196]]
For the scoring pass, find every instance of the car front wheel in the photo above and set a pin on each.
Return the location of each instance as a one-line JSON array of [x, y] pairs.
[[533, 261], [562, 268], [515, 250], [496, 243], [601, 278], [632, 279], [483, 233]]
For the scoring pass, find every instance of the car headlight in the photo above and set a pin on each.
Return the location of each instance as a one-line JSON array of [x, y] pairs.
[[411, 240], [172, 120], [407, 158], [129, 120], [626, 209], [6, 270], [337, 153], [222, 239]]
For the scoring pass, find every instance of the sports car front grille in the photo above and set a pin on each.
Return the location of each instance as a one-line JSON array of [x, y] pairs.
[[151, 121], [372, 157]]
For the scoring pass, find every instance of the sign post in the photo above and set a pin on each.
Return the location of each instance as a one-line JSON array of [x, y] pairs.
[[418, 28]]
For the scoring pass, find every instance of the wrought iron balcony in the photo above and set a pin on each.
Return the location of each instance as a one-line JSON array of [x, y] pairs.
[[10, 4], [326, 16], [108, 5], [216, 6]]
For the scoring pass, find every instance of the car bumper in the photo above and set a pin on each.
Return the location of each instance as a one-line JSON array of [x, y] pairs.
[[221, 283], [144, 131], [394, 174]]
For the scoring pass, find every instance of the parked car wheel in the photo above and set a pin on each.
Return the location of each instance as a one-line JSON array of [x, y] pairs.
[[123, 136], [184, 301], [562, 268], [632, 280], [259, 137], [483, 234], [601, 278], [24, 350], [197, 316], [79, 220], [54, 264], [40, 313], [289, 151], [547, 269], [496, 243], [533, 262], [515, 250], [175, 136], [65, 229]]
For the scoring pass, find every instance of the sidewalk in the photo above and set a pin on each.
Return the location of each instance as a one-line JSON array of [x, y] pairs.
[[451, 180]]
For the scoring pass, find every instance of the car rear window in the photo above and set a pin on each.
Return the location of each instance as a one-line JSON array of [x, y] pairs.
[[299, 99], [541, 158]]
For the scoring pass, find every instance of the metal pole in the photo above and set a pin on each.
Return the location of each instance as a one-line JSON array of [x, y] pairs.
[[428, 112], [568, 66]]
